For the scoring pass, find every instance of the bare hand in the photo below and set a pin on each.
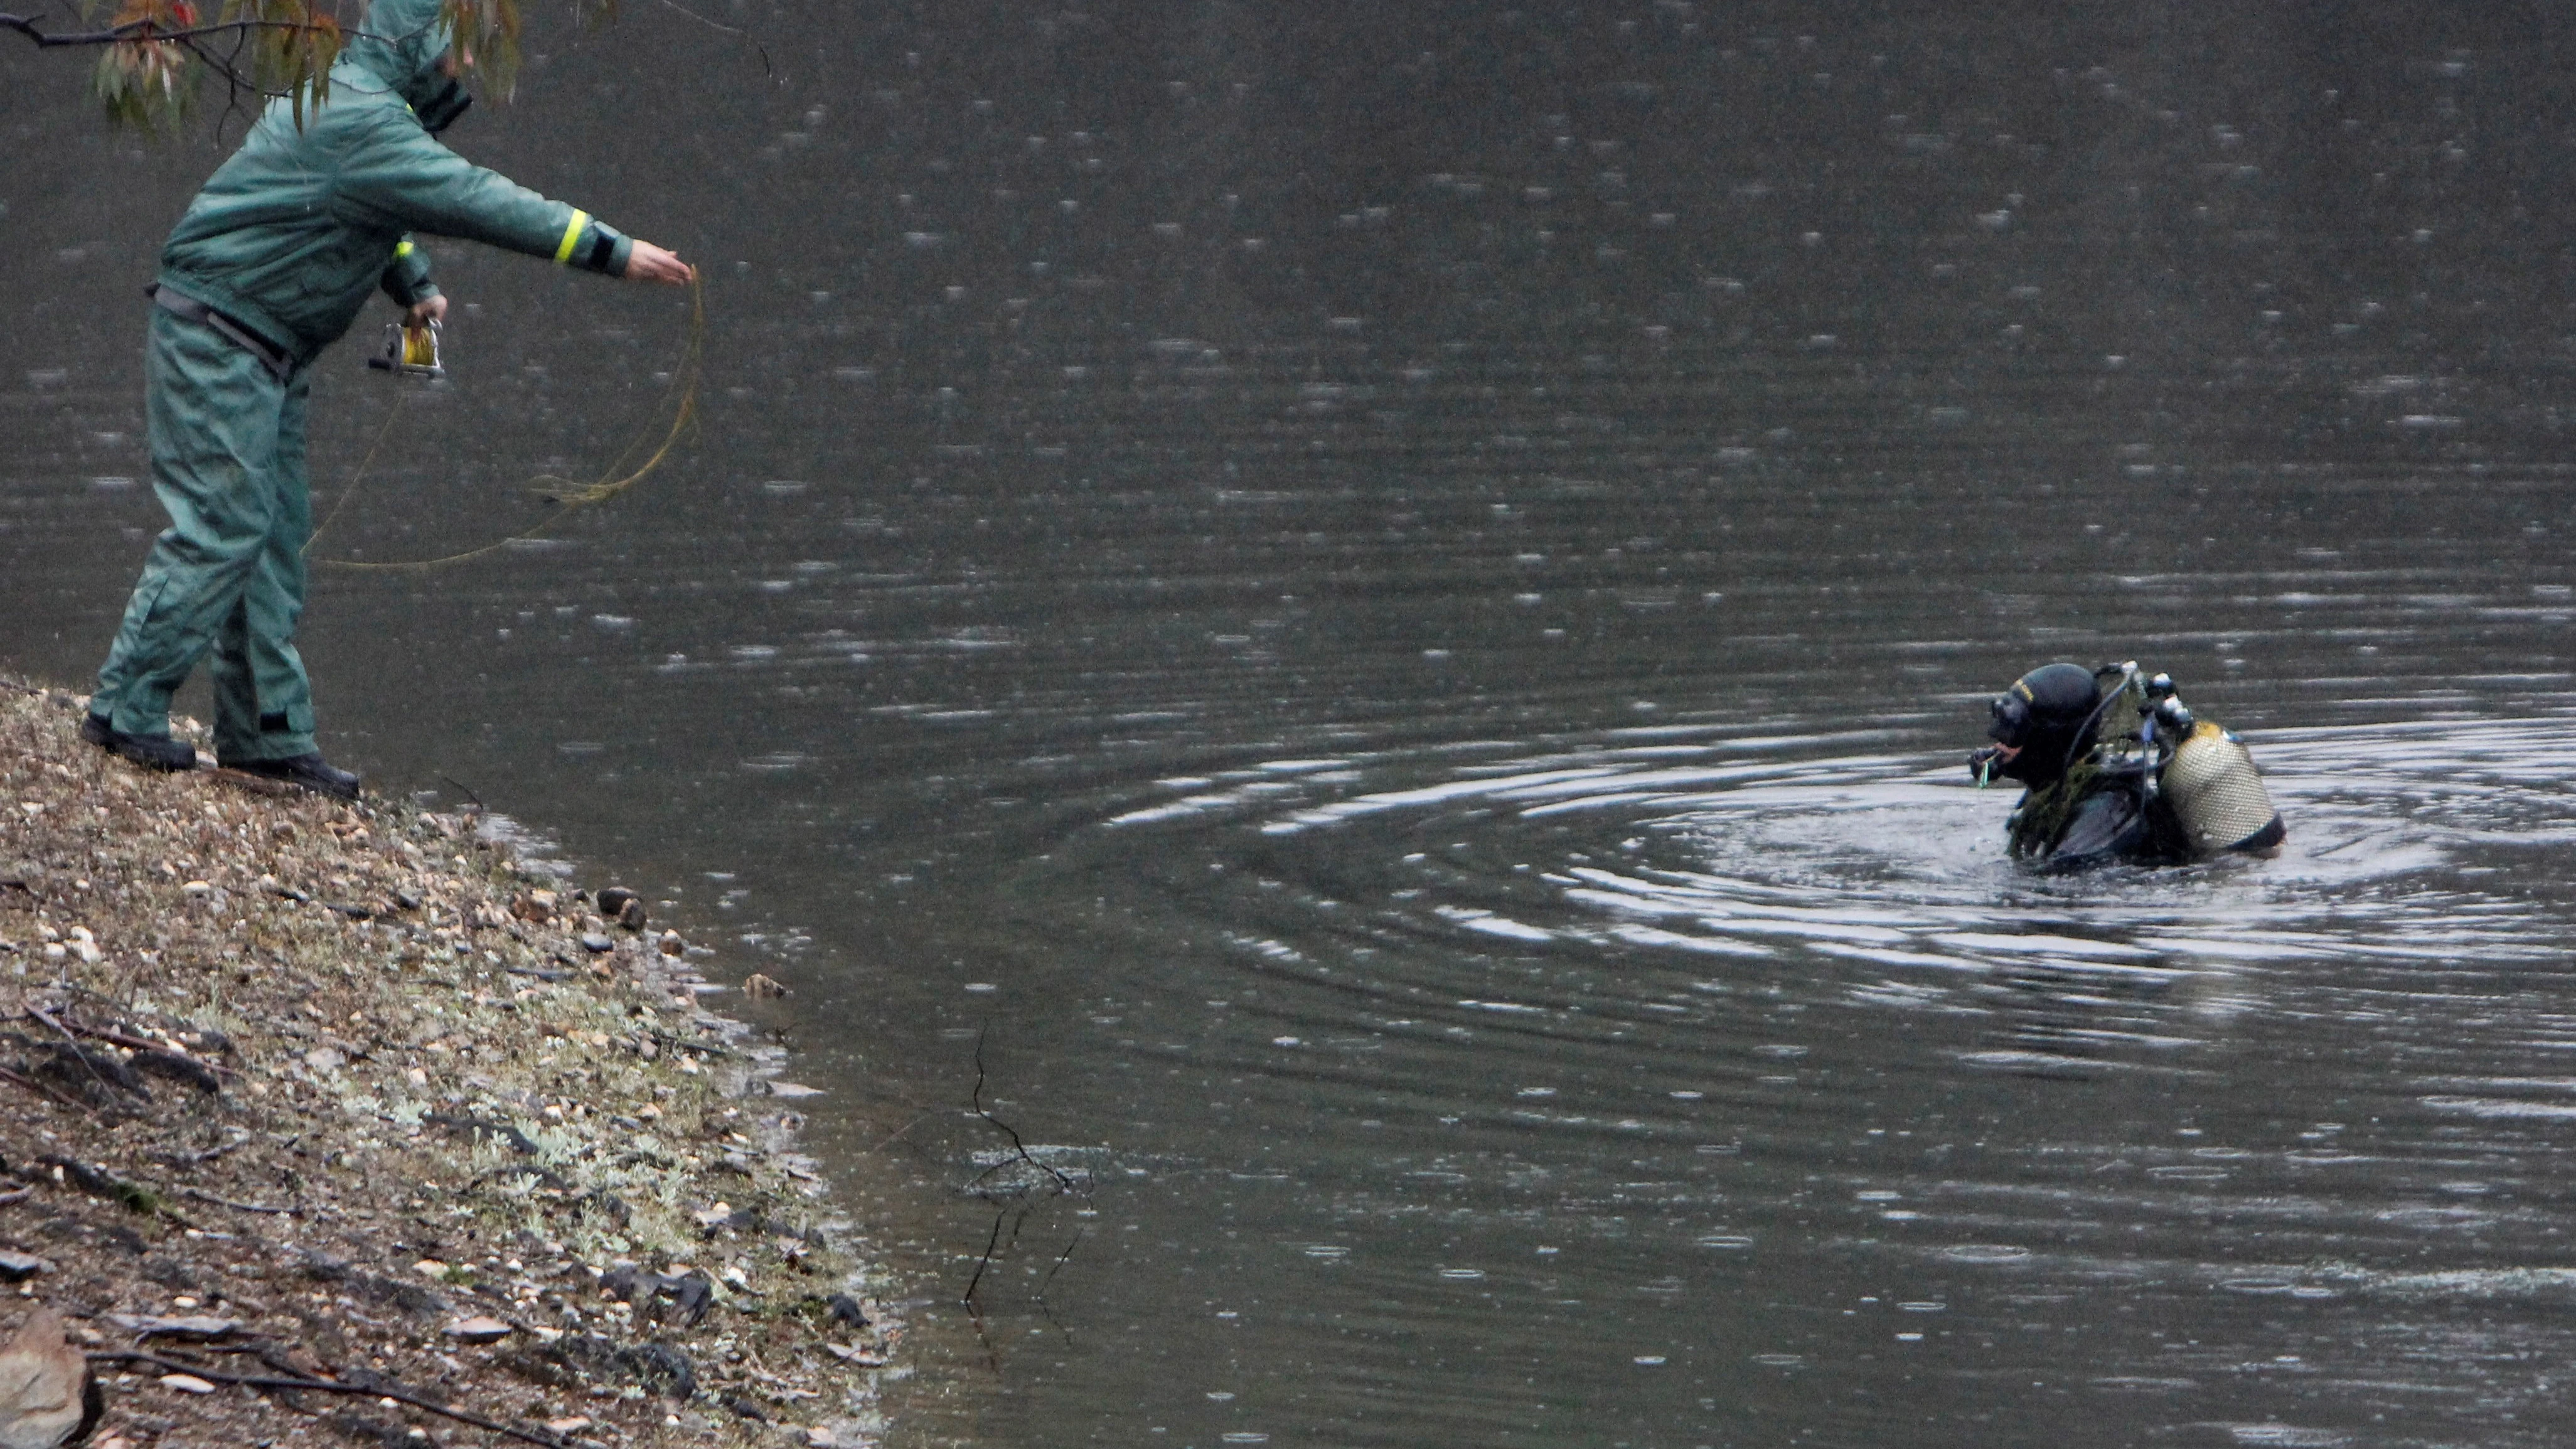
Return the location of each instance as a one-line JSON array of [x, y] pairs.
[[649, 263], [424, 312]]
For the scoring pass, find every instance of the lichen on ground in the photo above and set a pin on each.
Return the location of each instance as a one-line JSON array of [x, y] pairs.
[[346, 1095]]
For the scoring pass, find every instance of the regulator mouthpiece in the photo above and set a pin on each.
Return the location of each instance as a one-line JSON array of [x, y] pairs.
[[410, 352], [1981, 764]]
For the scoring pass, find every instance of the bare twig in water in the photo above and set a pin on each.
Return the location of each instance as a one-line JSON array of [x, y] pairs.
[[997, 1245], [1063, 1182], [1060, 1260], [471, 798], [992, 1246]]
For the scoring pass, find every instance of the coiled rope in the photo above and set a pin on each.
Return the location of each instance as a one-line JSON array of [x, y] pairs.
[[568, 496]]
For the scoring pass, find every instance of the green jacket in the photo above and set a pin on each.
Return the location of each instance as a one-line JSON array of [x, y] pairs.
[[291, 234]]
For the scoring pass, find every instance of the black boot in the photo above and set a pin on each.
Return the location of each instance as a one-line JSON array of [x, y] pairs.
[[307, 771], [158, 752]]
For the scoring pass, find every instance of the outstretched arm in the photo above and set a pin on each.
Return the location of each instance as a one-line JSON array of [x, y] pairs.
[[395, 177]]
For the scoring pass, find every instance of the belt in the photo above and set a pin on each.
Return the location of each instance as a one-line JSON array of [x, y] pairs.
[[190, 309]]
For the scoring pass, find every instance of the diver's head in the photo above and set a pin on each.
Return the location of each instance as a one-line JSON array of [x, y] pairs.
[[2043, 723]]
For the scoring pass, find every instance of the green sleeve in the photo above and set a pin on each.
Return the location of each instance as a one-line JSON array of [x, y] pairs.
[[406, 277], [396, 178]]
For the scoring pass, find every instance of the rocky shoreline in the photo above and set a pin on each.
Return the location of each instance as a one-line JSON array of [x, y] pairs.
[[331, 1124]]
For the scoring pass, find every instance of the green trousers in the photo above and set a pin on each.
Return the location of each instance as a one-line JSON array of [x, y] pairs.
[[227, 577]]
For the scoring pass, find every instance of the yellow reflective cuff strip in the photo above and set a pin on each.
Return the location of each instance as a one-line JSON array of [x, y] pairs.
[[572, 234], [404, 248]]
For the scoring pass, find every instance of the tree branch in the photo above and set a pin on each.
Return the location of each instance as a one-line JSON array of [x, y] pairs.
[[139, 30]]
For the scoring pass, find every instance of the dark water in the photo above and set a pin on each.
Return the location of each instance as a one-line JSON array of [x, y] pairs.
[[1379, 606]]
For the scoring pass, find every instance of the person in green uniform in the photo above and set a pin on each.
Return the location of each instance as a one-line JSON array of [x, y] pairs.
[[2117, 772], [269, 266]]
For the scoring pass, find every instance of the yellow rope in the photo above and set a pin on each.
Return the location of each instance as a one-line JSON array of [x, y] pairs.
[[401, 396], [566, 495]]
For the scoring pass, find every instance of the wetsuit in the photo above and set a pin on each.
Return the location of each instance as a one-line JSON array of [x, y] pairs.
[[2095, 814]]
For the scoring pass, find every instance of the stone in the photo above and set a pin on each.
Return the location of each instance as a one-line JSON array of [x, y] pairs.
[[662, 1369], [760, 986], [47, 1395], [480, 1328], [198, 1326], [19, 1267], [623, 906], [793, 1091], [673, 945], [595, 942], [186, 1384]]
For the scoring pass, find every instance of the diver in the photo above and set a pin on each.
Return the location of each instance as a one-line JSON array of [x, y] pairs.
[[2117, 771]]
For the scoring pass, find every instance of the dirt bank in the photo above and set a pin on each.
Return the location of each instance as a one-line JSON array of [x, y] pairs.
[[328, 1117]]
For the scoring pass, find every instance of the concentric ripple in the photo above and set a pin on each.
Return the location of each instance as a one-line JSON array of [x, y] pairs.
[[1742, 1057]]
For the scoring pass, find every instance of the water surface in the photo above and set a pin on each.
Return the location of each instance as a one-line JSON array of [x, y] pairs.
[[1370, 615]]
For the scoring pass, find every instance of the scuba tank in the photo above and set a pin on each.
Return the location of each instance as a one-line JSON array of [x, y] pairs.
[[2201, 778], [2217, 795]]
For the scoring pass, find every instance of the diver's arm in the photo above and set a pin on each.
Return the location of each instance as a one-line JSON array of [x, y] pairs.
[[2105, 827], [394, 176]]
